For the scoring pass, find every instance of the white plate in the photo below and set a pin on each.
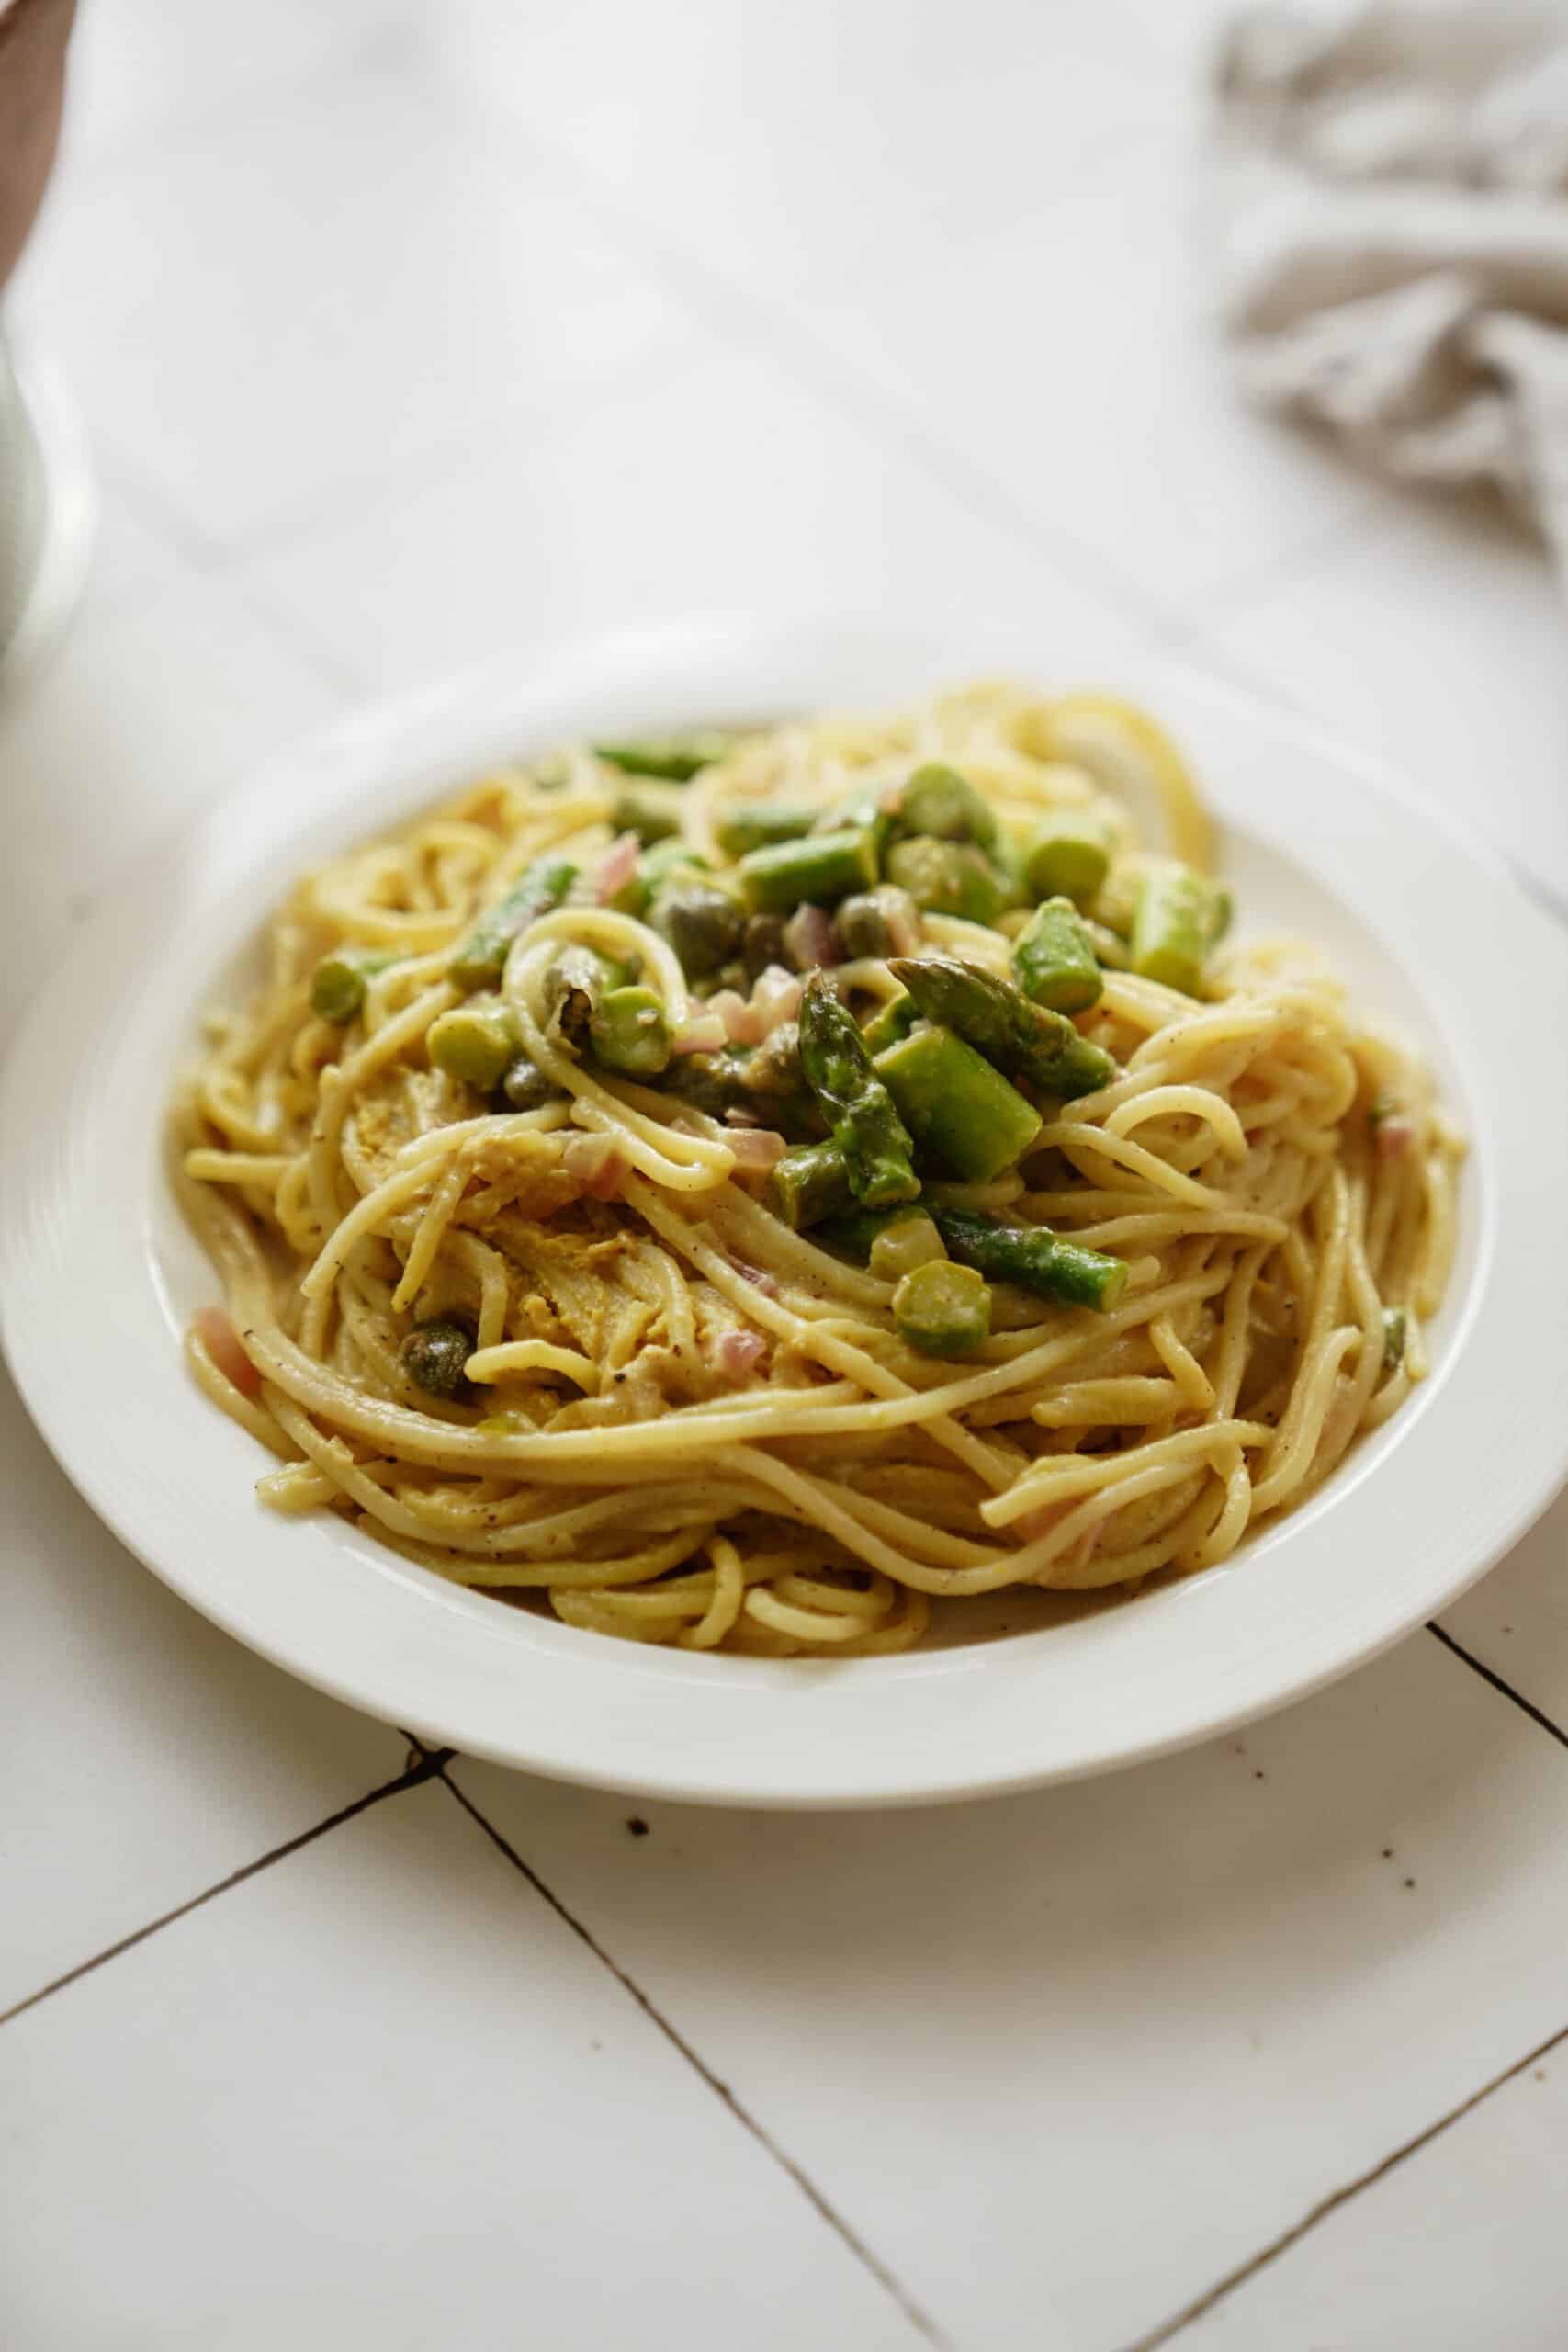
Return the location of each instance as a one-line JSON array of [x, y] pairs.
[[97, 1275]]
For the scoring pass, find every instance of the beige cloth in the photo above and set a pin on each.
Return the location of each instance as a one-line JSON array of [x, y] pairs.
[[1395, 235]]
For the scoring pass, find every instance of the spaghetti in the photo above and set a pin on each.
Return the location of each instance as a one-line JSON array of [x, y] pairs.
[[736, 1191]]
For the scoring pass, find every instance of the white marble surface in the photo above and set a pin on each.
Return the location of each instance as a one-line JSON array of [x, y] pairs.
[[405, 332]]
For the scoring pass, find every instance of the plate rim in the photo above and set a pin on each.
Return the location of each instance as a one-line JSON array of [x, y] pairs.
[[345, 766]]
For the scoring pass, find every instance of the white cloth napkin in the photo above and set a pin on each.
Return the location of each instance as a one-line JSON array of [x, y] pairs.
[[1393, 230]]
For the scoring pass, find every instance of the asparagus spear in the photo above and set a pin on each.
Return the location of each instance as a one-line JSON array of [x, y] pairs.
[[676, 758], [1054, 959], [759, 825], [956, 1105], [808, 1184], [1176, 919], [823, 868], [938, 801], [947, 878], [1030, 1255], [942, 1310], [338, 982], [477, 961], [475, 1041], [1066, 856], [1026, 1039], [856, 1104]]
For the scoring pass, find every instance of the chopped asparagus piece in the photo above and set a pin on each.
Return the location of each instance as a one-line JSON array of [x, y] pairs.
[[664, 858], [1394, 1327], [635, 813], [676, 758], [892, 1021], [758, 826], [630, 1032], [433, 1355], [1026, 1039], [892, 1241], [808, 1184], [906, 1242], [1054, 959], [947, 878], [869, 808], [475, 1041], [854, 1101], [701, 920], [1030, 1255], [1174, 923], [938, 801], [674, 854], [338, 982], [823, 868], [942, 1310], [1068, 856], [476, 962], [956, 1105]]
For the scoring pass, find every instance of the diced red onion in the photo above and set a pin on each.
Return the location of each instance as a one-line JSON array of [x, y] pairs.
[[756, 1277], [221, 1341], [736, 1353], [616, 867], [776, 998], [704, 1033], [741, 1026], [596, 1162], [756, 1149], [811, 939]]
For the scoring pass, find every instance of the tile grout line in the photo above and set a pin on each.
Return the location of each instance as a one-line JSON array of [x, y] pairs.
[[1320, 2212], [1181, 2320], [429, 1767], [1526, 1706], [742, 2114]]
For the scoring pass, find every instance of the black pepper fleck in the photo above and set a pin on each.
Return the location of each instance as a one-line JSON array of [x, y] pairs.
[[636, 1826], [1409, 1882]]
